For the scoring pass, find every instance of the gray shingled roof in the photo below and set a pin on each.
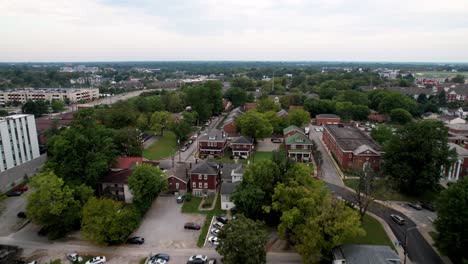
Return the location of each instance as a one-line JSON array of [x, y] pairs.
[[228, 187], [204, 167], [366, 254], [326, 116], [213, 135], [350, 137], [227, 169], [242, 140]]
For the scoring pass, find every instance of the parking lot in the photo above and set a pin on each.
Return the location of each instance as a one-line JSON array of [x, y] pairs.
[[423, 218], [163, 225], [266, 145], [9, 208]]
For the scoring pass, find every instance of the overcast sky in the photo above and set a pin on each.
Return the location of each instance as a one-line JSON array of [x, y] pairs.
[[316, 30]]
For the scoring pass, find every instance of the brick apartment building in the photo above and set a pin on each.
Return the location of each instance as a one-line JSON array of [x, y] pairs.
[[351, 147], [204, 178], [323, 119], [212, 143]]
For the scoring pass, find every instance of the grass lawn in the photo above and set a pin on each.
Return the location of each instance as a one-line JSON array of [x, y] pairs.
[[192, 207], [164, 147], [375, 234], [387, 194], [259, 156]]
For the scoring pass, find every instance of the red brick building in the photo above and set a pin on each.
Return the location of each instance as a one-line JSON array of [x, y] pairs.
[[351, 147], [212, 143], [291, 130], [242, 146], [204, 178], [378, 118], [460, 167], [323, 119], [229, 124], [178, 179], [298, 147]]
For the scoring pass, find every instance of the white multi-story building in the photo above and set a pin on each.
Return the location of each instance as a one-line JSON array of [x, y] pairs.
[[49, 94], [18, 141]]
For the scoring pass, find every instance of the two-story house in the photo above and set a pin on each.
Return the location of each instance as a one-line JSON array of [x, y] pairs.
[[204, 178], [178, 179], [231, 174], [242, 146], [299, 147], [212, 143]]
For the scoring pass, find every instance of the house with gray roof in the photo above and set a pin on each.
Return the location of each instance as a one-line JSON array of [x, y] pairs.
[[226, 190], [364, 254], [242, 146], [212, 143], [204, 177], [232, 172]]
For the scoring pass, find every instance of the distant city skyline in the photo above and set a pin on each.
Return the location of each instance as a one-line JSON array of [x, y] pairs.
[[241, 30]]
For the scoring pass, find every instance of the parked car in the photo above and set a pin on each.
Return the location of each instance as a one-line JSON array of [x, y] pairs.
[[180, 198], [194, 226], [74, 257], [43, 231], [415, 206], [33, 262], [307, 130], [183, 149], [218, 225], [196, 259], [212, 261], [14, 193], [214, 240], [276, 140], [397, 219], [164, 256], [22, 188], [97, 260], [223, 219], [157, 261], [21, 215], [427, 206], [215, 231], [136, 240]]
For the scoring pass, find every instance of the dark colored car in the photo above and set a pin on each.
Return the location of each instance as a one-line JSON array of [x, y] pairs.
[[276, 140], [136, 240], [14, 193], [428, 206], [196, 261], [164, 256], [398, 219], [21, 215], [43, 231], [22, 188], [416, 206], [180, 198], [223, 219], [194, 226]]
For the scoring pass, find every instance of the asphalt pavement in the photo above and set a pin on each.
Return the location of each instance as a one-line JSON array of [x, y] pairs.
[[419, 250]]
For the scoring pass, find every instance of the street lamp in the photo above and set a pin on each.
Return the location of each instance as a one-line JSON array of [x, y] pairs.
[[405, 248]]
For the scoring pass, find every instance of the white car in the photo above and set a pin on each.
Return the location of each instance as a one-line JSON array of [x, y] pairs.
[[198, 257], [157, 261], [218, 225], [214, 240], [97, 260], [74, 257], [215, 231]]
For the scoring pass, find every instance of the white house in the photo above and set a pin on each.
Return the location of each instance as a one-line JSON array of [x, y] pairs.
[[226, 190]]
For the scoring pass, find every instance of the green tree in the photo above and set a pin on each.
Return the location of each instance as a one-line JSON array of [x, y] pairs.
[[237, 96], [145, 183], [106, 221], [452, 220], [181, 129], [190, 117], [381, 134], [128, 142], [458, 79], [53, 204], [244, 83], [243, 241], [160, 120], [57, 106], [400, 116], [442, 100], [298, 117], [310, 219], [396, 100], [316, 106], [415, 155], [267, 104], [254, 124], [353, 96], [256, 188], [142, 122], [83, 152], [36, 108], [327, 92]]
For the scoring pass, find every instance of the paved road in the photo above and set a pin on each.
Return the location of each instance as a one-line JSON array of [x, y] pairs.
[[329, 173], [419, 251]]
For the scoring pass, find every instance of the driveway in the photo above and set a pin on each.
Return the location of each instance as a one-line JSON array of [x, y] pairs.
[[9, 208], [329, 172], [266, 145], [163, 225]]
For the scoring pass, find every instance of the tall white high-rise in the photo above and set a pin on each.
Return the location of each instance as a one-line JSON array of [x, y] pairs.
[[18, 141]]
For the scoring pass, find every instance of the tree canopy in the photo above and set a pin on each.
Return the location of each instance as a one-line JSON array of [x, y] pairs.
[[416, 155], [145, 183], [381, 134], [254, 124]]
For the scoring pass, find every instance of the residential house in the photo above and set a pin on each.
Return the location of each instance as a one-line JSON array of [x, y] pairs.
[[322, 119], [204, 178], [352, 148], [298, 147], [451, 120], [242, 146], [460, 167], [454, 91], [291, 130], [430, 115], [229, 124], [378, 118], [458, 128], [282, 113], [212, 143], [359, 254], [226, 190], [232, 172], [178, 179]]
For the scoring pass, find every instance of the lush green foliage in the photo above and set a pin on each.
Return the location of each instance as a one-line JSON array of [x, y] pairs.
[[243, 241], [55, 205], [254, 124], [106, 221], [298, 117], [237, 96], [452, 221], [145, 183], [416, 155], [381, 133], [36, 108], [400, 116]]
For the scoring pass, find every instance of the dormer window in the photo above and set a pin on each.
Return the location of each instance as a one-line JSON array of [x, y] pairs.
[[299, 140], [212, 138]]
